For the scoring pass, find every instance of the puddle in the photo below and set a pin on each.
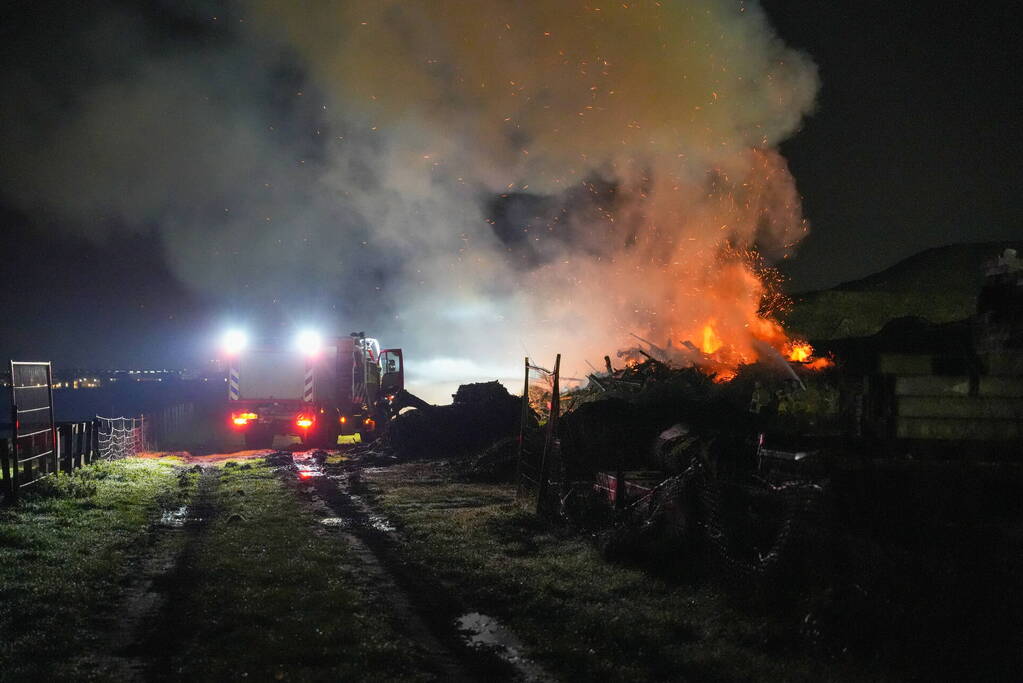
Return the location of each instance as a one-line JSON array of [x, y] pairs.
[[174, 518], [308, 471], [483, 631], [377, 521], [380, 523]]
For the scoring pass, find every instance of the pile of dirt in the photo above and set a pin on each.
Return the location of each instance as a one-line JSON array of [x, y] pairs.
[[480, 415], [496, 464], [280, 459]]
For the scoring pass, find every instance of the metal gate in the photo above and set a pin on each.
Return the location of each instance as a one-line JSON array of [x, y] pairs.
[[34, 437]]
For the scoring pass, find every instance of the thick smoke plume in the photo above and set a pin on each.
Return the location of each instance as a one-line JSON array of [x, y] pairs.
[[650, 124], [472, 181]]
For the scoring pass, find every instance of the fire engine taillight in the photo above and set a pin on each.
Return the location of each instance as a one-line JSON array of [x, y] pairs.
[[243, 419], [304, 421]]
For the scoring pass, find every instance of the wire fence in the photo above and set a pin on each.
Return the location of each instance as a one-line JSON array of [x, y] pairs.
[[72, 445], [27, 458], [38, 447], [121, 437]]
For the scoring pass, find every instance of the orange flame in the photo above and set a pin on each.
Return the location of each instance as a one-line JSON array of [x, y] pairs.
[[819, 363], [740, 331], [799, 352], [802, 352], [711, 341]]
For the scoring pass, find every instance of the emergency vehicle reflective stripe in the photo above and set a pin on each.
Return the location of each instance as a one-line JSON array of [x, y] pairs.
[[307, 394], [233, 392]]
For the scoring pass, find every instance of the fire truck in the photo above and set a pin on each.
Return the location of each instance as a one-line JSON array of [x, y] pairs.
[[315, 388]]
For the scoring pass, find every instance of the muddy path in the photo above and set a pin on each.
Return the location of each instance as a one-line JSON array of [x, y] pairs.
[[430, 612], [156, 618], [132, 627], [154, 623]]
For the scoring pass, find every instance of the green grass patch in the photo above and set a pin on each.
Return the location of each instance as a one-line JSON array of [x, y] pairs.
[[583, 618], [835, 314], [270, 594], [65, 551]]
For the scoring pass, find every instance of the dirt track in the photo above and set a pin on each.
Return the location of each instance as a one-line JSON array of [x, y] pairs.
[[156, 617]]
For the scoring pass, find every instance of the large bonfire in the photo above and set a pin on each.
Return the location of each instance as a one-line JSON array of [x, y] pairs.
[[745, 298]]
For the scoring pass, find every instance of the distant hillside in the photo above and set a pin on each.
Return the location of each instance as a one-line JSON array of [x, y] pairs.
[[940, 285]]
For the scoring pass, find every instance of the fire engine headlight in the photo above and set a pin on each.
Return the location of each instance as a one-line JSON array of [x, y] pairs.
[[309, 342], [234, 341]]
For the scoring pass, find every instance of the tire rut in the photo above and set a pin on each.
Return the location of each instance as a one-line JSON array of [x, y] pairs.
[[135, 618], [161, 634], [427, 611]]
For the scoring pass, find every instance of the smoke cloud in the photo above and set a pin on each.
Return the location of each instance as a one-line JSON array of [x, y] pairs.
[[472, 181]]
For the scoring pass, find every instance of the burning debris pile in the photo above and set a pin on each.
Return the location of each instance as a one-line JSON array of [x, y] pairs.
[[613, 422], [640, 416]]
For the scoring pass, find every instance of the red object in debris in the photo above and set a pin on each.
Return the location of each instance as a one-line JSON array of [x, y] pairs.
[[636, 485]]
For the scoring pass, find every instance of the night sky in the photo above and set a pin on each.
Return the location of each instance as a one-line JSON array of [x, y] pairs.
[[914, 143]]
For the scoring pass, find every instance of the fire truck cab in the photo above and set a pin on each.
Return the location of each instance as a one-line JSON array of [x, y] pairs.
[[316, 389]]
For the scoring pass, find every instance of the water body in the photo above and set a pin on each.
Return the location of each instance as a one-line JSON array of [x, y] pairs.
[[130, 398]]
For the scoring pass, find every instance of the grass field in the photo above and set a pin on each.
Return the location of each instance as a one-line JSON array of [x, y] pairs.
[[279, 598], [940, 285], [582, 617], [248, 585], [65, 552]]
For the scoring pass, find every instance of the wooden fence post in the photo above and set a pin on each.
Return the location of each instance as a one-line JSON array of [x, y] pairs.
[[79, 441], [58, 453], [60, 443], [552, 435], [522, 432], [72, 440], [86, 441], [94, 441], [68, 449]]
